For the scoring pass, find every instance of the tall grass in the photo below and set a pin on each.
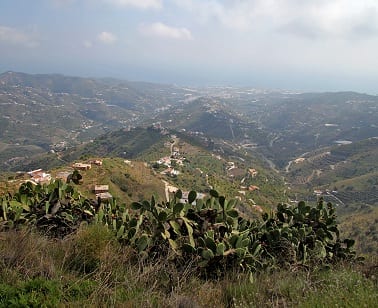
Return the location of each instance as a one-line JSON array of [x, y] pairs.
[[340, 287], [89, 268]]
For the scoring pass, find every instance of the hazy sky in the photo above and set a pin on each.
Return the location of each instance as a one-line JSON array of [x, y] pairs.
[[291, 44]]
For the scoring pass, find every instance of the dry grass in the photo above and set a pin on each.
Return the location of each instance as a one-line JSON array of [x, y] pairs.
[[28, 254], [90, 269]]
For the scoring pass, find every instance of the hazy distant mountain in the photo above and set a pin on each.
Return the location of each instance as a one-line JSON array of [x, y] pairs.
[[298, 123]]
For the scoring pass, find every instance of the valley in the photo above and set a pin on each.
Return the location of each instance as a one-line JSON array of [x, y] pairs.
[[301, 146]]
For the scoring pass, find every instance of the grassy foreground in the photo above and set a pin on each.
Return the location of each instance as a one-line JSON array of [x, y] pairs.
[[90, 268]]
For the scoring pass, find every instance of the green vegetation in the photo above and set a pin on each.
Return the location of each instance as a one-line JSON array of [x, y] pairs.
[[127, 182], [342, 286], [45, 160], [121, 143], [171, 254], [41, 272], [210, 232], [57, 209], [362, 226]]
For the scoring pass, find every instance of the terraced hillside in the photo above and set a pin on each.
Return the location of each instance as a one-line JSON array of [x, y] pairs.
[[347, 171]]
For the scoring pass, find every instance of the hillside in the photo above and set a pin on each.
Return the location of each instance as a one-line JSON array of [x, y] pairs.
[[211, 117], [347, 172], [179, 160], [306, 122], [200, 166], [128, 143], [345, 175], [41, 113], [127, 181], [59, 247]]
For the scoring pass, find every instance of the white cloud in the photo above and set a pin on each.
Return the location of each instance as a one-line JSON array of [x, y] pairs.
[[141, 4], [321, 18], [333, 19], [16, 37], [107, 37], [158, 29]]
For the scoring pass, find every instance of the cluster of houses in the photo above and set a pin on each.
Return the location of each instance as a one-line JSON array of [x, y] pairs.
[[38, 176], [185, 196], [86, 166], [233, 171], [169, 189], [170, 161], [249, 188]]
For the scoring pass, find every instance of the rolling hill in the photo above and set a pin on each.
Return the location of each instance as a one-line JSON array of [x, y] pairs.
[[41, 113]]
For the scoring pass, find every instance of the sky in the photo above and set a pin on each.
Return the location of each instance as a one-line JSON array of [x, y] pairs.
[[306, 45]]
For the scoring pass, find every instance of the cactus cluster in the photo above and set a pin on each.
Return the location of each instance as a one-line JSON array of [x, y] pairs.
[[57, 209], [207, 233], [302, 234], [215, 237]]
